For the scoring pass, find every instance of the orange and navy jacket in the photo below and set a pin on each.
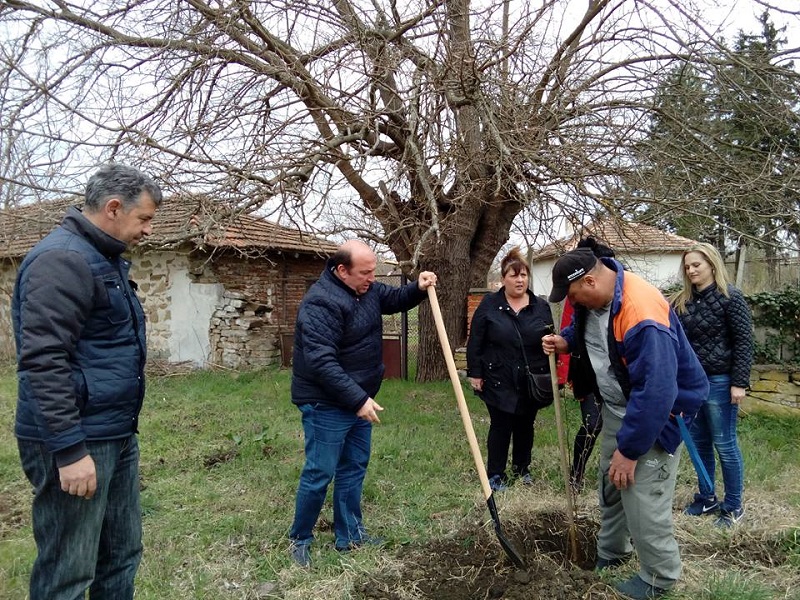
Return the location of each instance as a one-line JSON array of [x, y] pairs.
[[653, 362]]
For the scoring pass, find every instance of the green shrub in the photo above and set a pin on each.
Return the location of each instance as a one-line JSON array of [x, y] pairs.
[[778, 313]]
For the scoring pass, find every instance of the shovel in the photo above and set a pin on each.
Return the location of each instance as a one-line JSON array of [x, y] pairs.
[[693, 453], [512, 552]]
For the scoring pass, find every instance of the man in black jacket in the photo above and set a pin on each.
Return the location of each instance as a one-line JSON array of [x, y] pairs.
[[80, 335], [337, 369]]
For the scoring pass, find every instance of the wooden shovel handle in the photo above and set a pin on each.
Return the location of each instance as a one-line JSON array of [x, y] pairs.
[[459, 392]]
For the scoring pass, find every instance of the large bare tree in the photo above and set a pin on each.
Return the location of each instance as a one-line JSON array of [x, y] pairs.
[[428, 125]]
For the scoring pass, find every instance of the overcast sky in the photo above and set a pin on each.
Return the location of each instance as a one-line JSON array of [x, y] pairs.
[[733, 15]]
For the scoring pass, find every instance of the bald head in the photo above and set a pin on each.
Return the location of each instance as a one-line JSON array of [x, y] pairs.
[[352, 249], [354, 263]]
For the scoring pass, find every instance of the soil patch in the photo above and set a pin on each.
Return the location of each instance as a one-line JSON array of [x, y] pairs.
[[13, 514], [472, 565]]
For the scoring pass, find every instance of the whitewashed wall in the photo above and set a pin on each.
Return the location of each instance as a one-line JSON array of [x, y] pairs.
[[178, 310], [194, 304], [659, 269]]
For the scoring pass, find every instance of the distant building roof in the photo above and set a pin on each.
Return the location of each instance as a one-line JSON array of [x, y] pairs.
[[621, 236], [180, 219]]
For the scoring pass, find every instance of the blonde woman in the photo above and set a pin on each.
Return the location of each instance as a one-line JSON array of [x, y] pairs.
[[717, 322]]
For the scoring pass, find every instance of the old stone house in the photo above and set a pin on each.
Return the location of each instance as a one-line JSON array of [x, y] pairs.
[[218, 288]]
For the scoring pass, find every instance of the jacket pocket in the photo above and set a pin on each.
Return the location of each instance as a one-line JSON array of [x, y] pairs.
[[81, 389], [498, 376], [111, 305]]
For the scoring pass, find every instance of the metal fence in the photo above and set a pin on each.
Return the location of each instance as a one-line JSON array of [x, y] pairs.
[[400, 337]]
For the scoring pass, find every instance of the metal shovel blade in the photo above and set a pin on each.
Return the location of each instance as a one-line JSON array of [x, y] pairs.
[[508, 547]]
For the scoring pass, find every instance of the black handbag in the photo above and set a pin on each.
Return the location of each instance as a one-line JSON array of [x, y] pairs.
[[539, 386]]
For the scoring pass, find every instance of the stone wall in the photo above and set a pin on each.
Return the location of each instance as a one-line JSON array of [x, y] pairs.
[[774, 388], [242, 334], [259, 308], [8, 275], [153, 274], [280, 281]]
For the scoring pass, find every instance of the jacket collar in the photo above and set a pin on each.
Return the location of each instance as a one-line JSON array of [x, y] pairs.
[[330, 273], [705, 291], [77, 223], [614, 265], [502, 302]]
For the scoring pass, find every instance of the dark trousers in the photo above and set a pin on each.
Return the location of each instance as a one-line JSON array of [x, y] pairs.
[[95, 544], [503, 427], [591, 424]]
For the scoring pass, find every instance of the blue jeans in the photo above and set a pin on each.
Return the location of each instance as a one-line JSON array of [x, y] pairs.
[[715, 428], [86, 544], [337, 447]]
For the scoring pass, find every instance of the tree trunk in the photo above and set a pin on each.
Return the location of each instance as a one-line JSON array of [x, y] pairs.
[[453, 267]]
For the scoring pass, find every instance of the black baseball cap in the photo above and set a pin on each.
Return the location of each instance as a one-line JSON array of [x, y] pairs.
[[569, 268]]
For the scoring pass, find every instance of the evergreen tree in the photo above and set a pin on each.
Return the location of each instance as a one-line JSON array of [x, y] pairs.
[[722, 160]]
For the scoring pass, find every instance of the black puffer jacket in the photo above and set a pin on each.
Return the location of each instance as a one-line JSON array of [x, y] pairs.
[[494, 353], [80, 334], [338, 341], [720, 330]]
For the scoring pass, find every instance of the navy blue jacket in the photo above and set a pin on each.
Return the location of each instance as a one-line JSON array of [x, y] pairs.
[[338, 340], [652, 360], [80, 335]]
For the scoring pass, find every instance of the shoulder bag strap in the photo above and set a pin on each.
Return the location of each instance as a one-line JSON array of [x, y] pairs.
[[521, 343]]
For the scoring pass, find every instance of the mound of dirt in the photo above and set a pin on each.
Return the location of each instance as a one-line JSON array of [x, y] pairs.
[[472, 565]]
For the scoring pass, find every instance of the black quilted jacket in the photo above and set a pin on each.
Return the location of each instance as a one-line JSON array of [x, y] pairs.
[[720, 330], [494, 353], [338, 340]]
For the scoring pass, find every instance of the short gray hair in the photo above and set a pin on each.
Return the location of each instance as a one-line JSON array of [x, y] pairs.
[[122, 182]]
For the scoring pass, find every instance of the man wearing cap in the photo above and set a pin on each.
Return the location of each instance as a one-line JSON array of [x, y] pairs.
[[634, 350]]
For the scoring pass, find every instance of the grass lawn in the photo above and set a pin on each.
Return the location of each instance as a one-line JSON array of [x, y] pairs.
[[221, 457]]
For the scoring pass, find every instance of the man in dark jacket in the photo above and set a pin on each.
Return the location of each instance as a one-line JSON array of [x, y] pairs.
[[631, 346], [80, 335], [337, 371]]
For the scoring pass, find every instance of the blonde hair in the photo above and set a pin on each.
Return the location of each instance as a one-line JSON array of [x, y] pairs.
[[513, 261], [712, 256]]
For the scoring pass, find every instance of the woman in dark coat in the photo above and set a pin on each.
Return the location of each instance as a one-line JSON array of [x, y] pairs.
[[495, 367]]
